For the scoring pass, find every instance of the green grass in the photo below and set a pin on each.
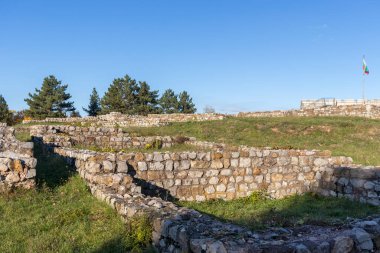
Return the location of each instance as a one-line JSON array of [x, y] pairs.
[[174, 148], [61, 215], [259, 212], [358, 138]]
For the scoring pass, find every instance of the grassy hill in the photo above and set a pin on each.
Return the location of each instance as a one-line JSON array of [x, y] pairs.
[[358, 138]]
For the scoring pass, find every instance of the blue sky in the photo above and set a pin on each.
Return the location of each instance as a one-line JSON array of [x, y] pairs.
[[232, 55]]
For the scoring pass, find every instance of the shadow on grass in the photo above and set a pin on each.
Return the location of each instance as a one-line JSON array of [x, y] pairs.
[[293, 211], [52, 171]]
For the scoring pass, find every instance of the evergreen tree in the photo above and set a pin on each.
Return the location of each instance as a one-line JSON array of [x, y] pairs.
[[121, 96], [93, 108], [146, 100], [185, 103], [169, 102], [5, 115], [50, 101]]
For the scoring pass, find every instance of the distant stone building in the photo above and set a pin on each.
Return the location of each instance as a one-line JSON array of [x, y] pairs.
[[323, 102]]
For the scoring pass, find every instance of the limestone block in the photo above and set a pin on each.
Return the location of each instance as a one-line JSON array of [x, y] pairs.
[[216, 164], [244, 162], [213, 180], [221, 188], [142, 166]]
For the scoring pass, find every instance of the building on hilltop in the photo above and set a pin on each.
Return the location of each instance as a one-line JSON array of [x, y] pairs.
[[325, 102]]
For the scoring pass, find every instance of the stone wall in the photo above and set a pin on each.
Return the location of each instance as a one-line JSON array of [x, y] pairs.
[[17, 165], [223, 172], [323, 102], [367, 111], [217, 174], [123, 120], [112, 179], [68, 136], [9, 143], [354, 182]]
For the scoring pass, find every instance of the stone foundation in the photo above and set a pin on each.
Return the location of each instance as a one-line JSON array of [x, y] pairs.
[[122, 120], [17, 165], [68, 136], [114, 178], [366, 111]]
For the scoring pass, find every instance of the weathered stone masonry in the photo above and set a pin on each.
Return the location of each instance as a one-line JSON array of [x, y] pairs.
[[115, 179], [122, 120], [366, 111], [17, 165], [226, 174], [68, 136]]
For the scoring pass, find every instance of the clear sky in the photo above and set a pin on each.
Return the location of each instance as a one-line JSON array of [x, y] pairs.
[[232, 55]]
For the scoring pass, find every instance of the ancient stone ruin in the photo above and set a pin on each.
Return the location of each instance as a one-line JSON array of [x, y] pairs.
[[17, 165], [140, 182]]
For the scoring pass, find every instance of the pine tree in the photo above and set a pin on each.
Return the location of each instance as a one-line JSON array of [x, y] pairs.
[[121, 96], [186, 104], [50, 101], [93, 108], [5, 115], [169, 102], [146, 100]]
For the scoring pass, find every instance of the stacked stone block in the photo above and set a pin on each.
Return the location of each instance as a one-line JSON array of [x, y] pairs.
[[122, 120], [17, 165]]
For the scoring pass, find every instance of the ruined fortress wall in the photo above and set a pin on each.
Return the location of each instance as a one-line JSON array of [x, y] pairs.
[[17, 165], [367, 111], [176, 228], [141, 183], [106, 137], [123, 120], [323, 102], [209, 175], [217, 172], [9, 143], [360, 183]]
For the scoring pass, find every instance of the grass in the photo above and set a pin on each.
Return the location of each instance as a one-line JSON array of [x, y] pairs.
[[23, 135], [61, 215], [174, 148], [358, 138], [259, 212]]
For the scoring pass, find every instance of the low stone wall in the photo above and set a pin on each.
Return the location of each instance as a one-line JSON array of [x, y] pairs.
[[8, 142], [17, 165], [68, 136], [16, 172], [367, 111], [221, 173], [218, 174], [353, 182], [177, 229], [323, 102], [123, 120]]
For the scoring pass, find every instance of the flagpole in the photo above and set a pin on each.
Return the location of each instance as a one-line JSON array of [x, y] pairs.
[[363, 82], [363, 88]]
